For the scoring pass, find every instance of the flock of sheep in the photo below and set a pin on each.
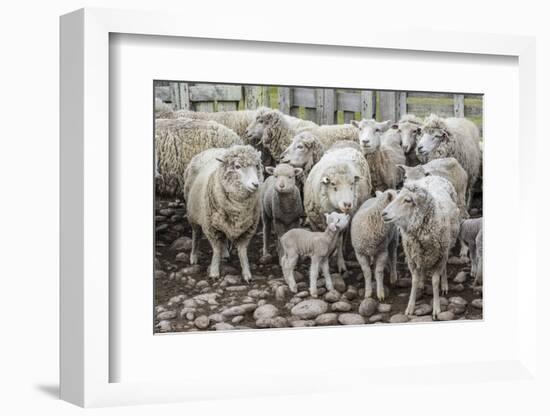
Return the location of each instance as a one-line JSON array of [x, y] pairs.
[[377, 184]]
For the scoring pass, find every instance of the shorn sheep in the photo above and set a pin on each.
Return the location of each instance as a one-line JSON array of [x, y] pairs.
[[469, 230], [382, 158], [452, 137], [409, 128], [428, 219], [178, 141], [340, 181], [281, 203], [447, 168], [223, 199], [375, 242], [316, 245]]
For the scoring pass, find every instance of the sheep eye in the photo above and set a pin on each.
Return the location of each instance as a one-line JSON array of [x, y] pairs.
[[377, 131], [408, 200], [237, 167], [300, 147]]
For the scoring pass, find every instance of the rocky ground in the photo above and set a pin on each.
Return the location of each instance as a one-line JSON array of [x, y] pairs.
[[187, 300]]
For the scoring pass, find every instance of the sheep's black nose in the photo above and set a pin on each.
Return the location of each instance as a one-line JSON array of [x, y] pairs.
[[347, 204], [255, 184], [420, 149]]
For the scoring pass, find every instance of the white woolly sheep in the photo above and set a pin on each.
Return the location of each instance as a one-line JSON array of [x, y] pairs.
[[178, 141], [452, 137], [223, 199], [340, 181], [427, 217], [382, 158], [281, 202], [375, 242], [447, 168], [469, 229], [316, 245]]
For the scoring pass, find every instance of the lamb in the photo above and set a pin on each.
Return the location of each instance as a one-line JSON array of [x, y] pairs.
[[428, 219], [340, 181], [452, 137], [382, 158], [276, 132], [447, 168], [281, 202], [409, 128], [223, 200], [178, 141], [469, 230], [304, 152], [375, 242], [316, 245]]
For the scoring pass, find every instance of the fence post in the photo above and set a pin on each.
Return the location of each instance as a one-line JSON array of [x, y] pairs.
[[368, 104], [459, 105], [389, 105], [402, 105], [179, 95], [255, 97], [284, 99], [326, 105]]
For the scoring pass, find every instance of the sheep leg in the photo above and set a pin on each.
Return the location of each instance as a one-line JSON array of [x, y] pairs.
[[436, 303], [463, 248], [242, 250], [225, 254], [381, 262], [341, 262], [195, 235], [326, 274], [266, 233], [473, 260], [365, 267], [416, 282], [288, 263], [479, 273], [392, 250], [217, 247], [313, 274], [444, 280]]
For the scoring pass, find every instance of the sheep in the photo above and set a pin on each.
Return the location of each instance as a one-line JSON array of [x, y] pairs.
[[447, 168], [223, 200], [304, 152], [375, 242], [382, 158], [452, 137], [479, 258], [469, 229], [281, 202], [178, 141], [409, 127], [316, 245], [340, 181], [428, 219], [276, 132]]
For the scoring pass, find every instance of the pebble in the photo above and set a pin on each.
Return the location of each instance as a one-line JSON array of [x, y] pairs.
[[350, 294], [263, 322], [216, 317], [302, 294], [351, 319], [166, 315], [458, 300], [201, 284], [327, 319], [384, 308], [338, 282], [159, 274], [281, 292], [267, 259], [182, 243], [266, 311], [182, 257], [164, 326], [399, 318], [446, 316], [240, 288], [341, 307], [233, 311], [237, 319], [222, 326], [232, 279], [368, 307], [456, 309], [309, 309], [332, 296], [194, 269], [249, 307], [256, 293], [202, 322], [423, 309], [190, 316], [299, 277], [425, 318], [278, 322], [457, 288], [477, 303], [300, 323], [376, 318], [461, 277]]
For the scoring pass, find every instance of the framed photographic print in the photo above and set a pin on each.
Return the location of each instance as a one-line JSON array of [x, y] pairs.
[[286, 213]]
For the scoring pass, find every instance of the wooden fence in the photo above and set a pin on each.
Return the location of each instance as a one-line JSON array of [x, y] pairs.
[[321, 105]]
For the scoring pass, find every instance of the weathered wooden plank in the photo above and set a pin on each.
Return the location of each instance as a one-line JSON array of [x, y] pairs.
[[348, 116], [368, 104], [311, 114], [303, 97], [414, 94], [255, 96], [212, 92], [458, 105], [163, 93], [423, 110], [348, 101], [473, 111], [179, 95], [228, 106], [207, 107], [325, 105], [473, 96], [402, 104], [284, 100], [294, 111], [389, 105]]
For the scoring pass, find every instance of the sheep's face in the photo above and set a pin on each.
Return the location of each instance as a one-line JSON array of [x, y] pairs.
[[430, 140], [285, 177], [255, 131], [386, 197], [337, 221], [402, 207], [410, 132], [370, 133], [300, 152], [242, 176], [340, 191], [413, 173]]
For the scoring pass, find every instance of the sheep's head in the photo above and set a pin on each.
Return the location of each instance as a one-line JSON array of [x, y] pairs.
[[434, 132], [285, 177], [409, 128], [404, 205], [337, 221], [412, 173], [304, 151], [339, 187], [386, 197], [242, 170], [370, 132], [264, 120]]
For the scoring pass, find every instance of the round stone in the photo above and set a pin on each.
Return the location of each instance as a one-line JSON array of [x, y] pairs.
[[278, 322], [461, 277], [457, 300], [310, 309], [202, 322], [446, 316], [399, 318], [384, 308], [327, 319], [222, 326], [341, 307], [281, 292], [166, 315], [368, 307], [332, 296], [300, 323], [477, 303], [351, 319], [266, 311], [233, 311], [423, 309]]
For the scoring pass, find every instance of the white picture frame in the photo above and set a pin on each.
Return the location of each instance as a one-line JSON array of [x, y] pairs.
[[85, 211]]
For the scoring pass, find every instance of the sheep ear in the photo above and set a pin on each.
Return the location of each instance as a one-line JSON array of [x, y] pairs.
[[403, 168], [357, 178], [391, 194], [395, 126], [325, 180], [386, 125], [445, 133], [332, 227], [297, 171], [378, 193], [355, 123], [270, 170], [220, 160]]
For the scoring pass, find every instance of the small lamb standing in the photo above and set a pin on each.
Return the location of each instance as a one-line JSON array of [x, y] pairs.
[[447, 168], [281, 203], [428, 218], [223, 199], [316, 245], [469, 230], [452, 137], [340, 181], [382, 158], [375, 241]]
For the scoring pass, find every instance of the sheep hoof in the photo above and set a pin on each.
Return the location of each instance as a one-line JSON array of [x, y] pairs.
[[313, 293], [409, 310], [193, 259], [293, 289]]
